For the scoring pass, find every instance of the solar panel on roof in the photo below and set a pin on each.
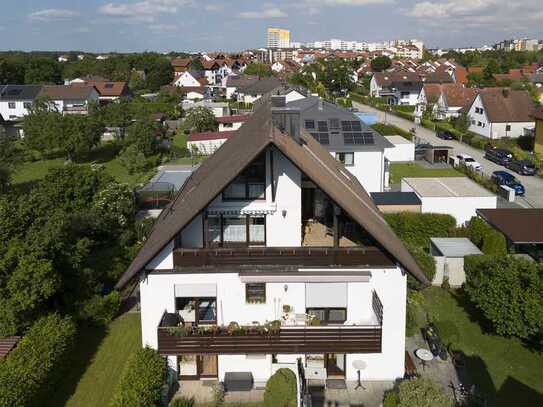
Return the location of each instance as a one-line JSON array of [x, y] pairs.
[[14, 92], [357, 137]]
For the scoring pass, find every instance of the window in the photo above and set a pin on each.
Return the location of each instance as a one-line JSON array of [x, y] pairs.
[[236, 231], [310, 124], [508, 127], [346, 158], [322, 126], [255, 292], [250, 184], [479, 124], [27, 105], [11, 105], [329, 315], [322, 138], [334, 124], [257, 230], [197, 310]]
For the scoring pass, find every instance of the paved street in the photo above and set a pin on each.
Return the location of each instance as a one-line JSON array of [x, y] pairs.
[[533, 185]]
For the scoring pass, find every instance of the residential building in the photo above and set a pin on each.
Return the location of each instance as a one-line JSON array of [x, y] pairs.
[[16, 100], [190, 78], [360, 148], [500, 112], [70, 99], [459, 197], [219, 109], [399, 88], [231, 123], [240, 268], [454, 99], [519, 44], [206, 143], [108, 91], [252, 92], [400, 150], [278, 38], [234, 81], [538, 117], [181, 65]]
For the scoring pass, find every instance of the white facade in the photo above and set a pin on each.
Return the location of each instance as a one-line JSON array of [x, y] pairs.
[[403, 150], [205, 147], [76, 106], [369, 168], [480, 124], [353, 290], [232, 126], [186, 80], [14, 109]]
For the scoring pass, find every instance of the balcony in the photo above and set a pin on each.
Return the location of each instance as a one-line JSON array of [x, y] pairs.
[[262, 340], [282, 256]]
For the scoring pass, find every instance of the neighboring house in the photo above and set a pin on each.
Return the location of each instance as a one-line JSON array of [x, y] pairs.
[[244, 252], [108, 91], [448, 254], [208, 142], [219, 109], [398, 88], [234, 81], [459, 197], [428, 97], [254, 91], [190, 79], [230, 123], [522, 228], [15, 100], [360, 148], [195, 93], [397, 202], [211, 72], [453, 100], [180, 65], [70, 99], [496, 113]]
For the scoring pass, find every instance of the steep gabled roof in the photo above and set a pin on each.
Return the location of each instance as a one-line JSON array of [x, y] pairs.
[[504, 105], [219, 170], [62, 92]]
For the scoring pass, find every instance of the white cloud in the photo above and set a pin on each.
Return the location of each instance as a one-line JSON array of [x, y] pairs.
[[213, 7], [145, 10], [164, 28], [347, 2], [53, 14], [449, 8], [272, 12]]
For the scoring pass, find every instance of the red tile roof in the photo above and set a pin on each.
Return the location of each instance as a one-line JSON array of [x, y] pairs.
[[240, 118], [211, 135]]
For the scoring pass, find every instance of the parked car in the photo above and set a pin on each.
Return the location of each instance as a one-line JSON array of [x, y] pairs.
[[499, 156], [445, 135], [522, 167], [469, 162], [505, 178]]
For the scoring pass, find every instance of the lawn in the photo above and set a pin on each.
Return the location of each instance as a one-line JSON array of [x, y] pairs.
[[506, 371], [399, 171], [99, 358]]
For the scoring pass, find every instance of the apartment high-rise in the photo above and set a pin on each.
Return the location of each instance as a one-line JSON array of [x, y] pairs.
[[278, 38]]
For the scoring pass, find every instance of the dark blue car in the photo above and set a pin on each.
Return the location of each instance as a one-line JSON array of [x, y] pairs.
[[505, 178]]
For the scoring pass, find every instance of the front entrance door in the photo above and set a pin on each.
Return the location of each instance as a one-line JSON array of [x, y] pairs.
[[335, 365], [194, 367]]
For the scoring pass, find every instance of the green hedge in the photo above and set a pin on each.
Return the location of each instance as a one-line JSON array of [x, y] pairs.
[[391, 130], [416, 229], [141, 381], [486, 238], [281, 389], [422, 392], [30, 372]]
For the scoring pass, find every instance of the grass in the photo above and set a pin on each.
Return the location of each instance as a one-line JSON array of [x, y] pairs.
[[99, 358], [505, 371], [35, 171], [399, 171]]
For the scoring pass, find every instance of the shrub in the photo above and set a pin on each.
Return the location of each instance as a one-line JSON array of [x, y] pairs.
[[509, 293], [218, 394], [141, 380], [33, 368], [281, 389], [391, 399], [416, 314], [182, 402], [477, 229], [422, 392], [424, 260], [416, 229], [102, 309], [494, 244]]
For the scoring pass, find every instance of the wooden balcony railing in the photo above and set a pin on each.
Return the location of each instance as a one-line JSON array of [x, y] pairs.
[[303, 256], [289, 340]]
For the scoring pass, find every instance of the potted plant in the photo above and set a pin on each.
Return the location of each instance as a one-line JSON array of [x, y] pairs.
[[274, 327], [179, 330], [232, 327]]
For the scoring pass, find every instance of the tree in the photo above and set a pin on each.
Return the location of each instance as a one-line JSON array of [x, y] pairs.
[[380, 64], [509, 293], [201, 119], [196, 64], [143, 134], [8, 159], [462, 123], [260, 70], [43, 71], [42, 126], [80, 134], [281, 389], [11, 72], [118, 114], [160, 74]]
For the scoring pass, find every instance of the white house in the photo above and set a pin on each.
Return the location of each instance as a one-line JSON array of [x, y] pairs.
[[231, 123], [219, 109], [70, 99], [453, 100], [399, 88], [233, 82], [496, 113], [459, 197], [15, 100], [190, 79], [241, 275], [208, 142], [254, 91], [360, 148]]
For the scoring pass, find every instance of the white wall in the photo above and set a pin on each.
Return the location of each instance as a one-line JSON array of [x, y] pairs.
[[401, 152], [450, 267], [479, 121], [12, 114], [368, 168], [230, 126], [205, 147], [186, 79]]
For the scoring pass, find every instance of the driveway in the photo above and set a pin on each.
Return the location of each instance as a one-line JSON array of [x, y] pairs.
[[533, 185]]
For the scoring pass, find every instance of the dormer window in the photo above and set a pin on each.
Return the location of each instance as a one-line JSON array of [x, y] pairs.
[[250, 184]]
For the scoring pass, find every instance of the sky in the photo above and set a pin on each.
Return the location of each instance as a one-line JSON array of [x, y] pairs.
[[197, 25]]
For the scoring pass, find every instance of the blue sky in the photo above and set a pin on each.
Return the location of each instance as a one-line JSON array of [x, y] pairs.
[[185, 25]]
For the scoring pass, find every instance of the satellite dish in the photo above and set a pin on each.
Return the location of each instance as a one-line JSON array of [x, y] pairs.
[[359, 364]]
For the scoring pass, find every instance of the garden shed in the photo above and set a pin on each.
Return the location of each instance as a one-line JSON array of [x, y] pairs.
[[449, 253]]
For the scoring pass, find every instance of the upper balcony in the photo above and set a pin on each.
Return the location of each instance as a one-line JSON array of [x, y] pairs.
[[282, 256]]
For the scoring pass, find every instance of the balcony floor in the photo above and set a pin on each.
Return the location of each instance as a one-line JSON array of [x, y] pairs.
[[315, 235]]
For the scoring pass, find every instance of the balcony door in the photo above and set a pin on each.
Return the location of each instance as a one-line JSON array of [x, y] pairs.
[[335, 365], [195, 367]]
